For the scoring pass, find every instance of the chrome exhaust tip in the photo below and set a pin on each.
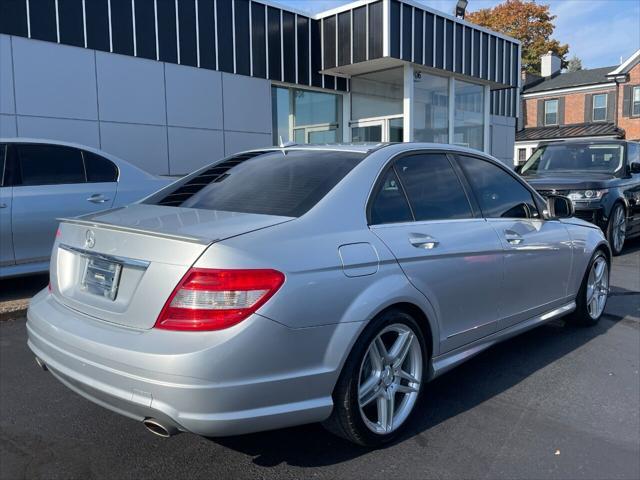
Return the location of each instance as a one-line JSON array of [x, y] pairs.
[[41, 364], [158, 428]]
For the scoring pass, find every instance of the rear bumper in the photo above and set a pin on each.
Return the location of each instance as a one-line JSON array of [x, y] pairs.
[[258, 375]]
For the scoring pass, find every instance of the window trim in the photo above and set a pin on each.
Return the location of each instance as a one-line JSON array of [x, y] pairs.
[[557, 114], [593, 107], [633, 102], [473, 205], [539, 202]]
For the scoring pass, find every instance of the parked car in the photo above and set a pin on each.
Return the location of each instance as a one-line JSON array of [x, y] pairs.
[[286, 286], [601, 177], [42, 180]]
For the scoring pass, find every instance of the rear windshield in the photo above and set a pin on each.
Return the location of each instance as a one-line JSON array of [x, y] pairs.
[[575, 157], [276, 183]]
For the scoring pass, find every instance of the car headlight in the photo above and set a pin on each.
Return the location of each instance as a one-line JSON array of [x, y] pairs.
[[586, 195]]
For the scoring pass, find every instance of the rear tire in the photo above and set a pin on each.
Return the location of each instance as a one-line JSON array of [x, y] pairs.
[[617, 229], [594, 291], [369, 388]]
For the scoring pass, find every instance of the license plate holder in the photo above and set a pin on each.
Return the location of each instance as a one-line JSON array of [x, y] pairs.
[[102, 277]]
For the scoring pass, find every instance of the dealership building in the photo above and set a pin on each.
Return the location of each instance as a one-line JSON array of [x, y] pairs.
[[171, 85]]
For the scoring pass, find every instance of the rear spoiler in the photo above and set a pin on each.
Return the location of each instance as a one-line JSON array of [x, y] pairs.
[[140, 231]]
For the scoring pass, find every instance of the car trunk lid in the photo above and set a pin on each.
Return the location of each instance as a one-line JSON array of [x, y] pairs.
[[121, 265]]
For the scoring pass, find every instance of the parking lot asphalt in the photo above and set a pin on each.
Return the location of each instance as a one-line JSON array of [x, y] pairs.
[[556, 402]]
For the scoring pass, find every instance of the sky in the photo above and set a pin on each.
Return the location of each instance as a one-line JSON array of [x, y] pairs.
[[599, 32]]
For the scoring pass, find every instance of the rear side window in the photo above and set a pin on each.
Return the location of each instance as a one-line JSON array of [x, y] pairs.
[[99, 169], [49, 165], [433, 188], [498, 193], [389, 204], [276, 183]]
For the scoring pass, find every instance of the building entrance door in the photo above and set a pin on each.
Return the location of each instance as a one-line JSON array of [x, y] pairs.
[[379, 130]]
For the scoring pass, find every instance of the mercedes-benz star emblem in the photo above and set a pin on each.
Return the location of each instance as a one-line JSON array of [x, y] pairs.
[[89, 239]]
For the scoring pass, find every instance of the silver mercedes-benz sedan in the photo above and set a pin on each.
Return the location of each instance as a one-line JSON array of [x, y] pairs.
[[308, 284]]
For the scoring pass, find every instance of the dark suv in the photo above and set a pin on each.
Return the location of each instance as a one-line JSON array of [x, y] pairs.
[[602, 177]]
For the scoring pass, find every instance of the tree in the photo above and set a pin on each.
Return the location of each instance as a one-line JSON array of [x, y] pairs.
[[528, 22], [574, 64]]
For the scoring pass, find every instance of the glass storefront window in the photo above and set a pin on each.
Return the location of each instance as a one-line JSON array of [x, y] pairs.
[[377, 94], [431, 103], [468, 115], [305, 116]]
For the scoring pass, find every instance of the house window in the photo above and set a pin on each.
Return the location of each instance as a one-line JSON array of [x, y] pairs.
[[600, 107], [551, 112], [522, 155], [636, 102]]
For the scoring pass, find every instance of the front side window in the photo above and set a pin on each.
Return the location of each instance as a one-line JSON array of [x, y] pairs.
[[600, 107], [49, 165], [389, 203], [551, 112], [499, 194], [636, 101], [433, 188], [304, 116], [276, 183]]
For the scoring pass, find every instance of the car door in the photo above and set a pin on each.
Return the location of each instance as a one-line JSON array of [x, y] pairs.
[[422, 212], [6, 240], [51, 182], [538, 252]]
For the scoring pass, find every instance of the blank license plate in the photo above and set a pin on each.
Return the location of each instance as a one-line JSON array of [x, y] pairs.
[[101, 277]]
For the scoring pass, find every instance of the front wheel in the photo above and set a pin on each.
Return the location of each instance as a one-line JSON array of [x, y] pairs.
[[593, 294], [381, 381], [617, 229]]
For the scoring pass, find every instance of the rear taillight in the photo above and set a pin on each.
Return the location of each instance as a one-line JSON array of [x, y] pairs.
[[208, 299]]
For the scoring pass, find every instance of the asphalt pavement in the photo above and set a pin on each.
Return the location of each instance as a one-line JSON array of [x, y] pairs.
[[556, 402]]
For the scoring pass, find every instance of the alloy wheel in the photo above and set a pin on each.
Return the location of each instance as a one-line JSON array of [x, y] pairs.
[[597, 287], [619, 229], [390, 378]]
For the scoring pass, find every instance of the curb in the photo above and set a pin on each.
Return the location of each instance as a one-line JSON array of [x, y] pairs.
[[19, 309]]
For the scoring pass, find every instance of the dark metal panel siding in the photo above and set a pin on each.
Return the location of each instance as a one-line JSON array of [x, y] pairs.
[[467, 50], [316, 54], [515, 74], [449, 47], [187, 32], [500, 60], [439, 45], [344, 38], [13, 17], [97, 16], [207, 34], [492, 58], [145, 29], [225, 35], [329, 82], [289, 46], [71, 22], [484, 65], [394, 29], [407, 41], [428, 39], [42, 15], [273, 23], [329, 41], [303, 50], [376, 30], [243, 60], [476, 53], [122, 27], [341, 84], [167, 39], [507, 63], [458, 49], [258, 40], [418, 37], [360, 34]]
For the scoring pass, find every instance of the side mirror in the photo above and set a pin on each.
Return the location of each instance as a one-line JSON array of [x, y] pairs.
[[635, 167], [559, 207]]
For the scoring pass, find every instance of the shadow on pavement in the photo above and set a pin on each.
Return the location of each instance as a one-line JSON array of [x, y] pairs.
[[22, 287]]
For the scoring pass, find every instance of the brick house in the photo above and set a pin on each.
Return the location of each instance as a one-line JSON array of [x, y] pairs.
[[597, 103]]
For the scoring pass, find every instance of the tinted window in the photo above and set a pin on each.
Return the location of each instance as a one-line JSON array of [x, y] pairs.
[[498, 193], [276, 183], [49, 164], [433, 188], [633, 152], [390, 204], [576, 157], [2, 162], [99, 169]]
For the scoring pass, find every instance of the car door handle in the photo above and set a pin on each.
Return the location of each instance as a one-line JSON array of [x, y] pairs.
[[423, 241], [513, 238], [97, 198]]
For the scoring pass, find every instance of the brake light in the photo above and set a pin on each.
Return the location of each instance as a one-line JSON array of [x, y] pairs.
[[212, 299]]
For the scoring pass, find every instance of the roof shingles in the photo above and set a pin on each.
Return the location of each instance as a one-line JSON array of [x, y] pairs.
[[570, 131], [569, 80]]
